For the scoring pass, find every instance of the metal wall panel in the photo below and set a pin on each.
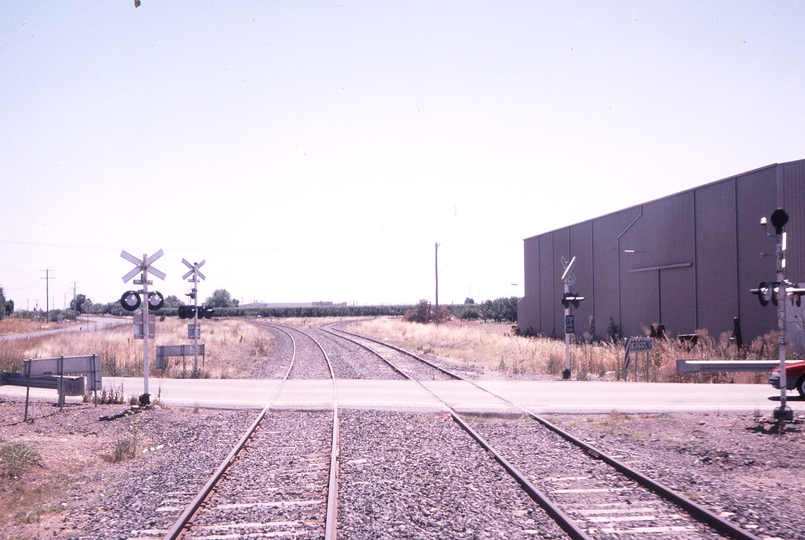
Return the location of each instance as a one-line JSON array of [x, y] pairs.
[[678, 299], [546, 280], [756, 196], [561, 248], [581, 247], [793, 176], [607, 231], [655, 286], [716, 257], [528, 316]]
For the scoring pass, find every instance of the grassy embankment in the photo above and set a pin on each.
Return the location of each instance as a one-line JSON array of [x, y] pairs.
[[232, 348], [493, 347]]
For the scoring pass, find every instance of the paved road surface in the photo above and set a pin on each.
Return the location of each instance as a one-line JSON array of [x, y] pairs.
[[537, 396], [84, 324]]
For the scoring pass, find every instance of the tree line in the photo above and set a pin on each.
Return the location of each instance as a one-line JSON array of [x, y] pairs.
[[498, 310]]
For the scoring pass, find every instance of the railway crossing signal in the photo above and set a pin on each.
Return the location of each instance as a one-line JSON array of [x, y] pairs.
[[569, 298], [131, 300], [777, 292], [766, 292], [189, 312], [770, 292], [194, 312]]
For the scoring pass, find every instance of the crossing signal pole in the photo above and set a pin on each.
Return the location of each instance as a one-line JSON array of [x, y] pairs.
[[193, 276], [142, 267], [569, 298], [777, 292]]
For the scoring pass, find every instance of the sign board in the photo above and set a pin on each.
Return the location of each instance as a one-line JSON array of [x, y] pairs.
[[164, 351], [143, 265], [637, 345], [568, 277], [138, 325], [570, 324], [194, 270], [193, 331], [67, 365]]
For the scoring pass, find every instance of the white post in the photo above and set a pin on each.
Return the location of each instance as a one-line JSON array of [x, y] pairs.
[[145, 324], [195, 326], [566, 372], [781, 298]]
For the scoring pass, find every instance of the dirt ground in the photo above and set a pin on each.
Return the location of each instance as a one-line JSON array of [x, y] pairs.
[[77, 457]]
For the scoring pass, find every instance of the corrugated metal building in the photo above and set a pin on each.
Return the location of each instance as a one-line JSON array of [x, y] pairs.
[[687, 260]]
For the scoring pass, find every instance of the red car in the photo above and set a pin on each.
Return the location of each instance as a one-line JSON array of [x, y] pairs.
[[795, 375]]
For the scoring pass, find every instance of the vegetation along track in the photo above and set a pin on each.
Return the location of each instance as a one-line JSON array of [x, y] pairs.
[[588, 493], [280, 478]]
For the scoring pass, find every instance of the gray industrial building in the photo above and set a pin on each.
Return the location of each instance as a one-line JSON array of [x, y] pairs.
[[687, 261]]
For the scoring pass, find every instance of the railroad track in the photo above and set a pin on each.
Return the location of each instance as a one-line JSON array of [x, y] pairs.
[[588, 493], [280, 479]]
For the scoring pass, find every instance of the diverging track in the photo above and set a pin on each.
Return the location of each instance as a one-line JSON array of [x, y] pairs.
[[589, 494]]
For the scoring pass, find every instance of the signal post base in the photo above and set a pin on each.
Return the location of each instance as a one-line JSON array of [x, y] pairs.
[[784, 414]]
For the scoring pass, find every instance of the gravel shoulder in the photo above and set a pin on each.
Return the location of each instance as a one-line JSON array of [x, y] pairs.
[[739, 466]]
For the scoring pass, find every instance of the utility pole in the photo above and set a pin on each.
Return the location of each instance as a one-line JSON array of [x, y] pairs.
[[47, 279], [437, 282]]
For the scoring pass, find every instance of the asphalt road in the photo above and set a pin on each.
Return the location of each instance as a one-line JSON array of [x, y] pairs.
[[83, 324], [536, 396]]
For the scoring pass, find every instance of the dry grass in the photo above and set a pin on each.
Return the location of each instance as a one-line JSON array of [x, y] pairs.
[[494, 347], [13, 325], [232, 346], [485, 346]]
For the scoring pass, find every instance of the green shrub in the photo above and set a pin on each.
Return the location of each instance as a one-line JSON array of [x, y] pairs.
[[125, 448], [17, 457]]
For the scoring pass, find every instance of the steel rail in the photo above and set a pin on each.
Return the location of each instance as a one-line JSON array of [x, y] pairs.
[[398, 349], [561, 519], [331, 519], [392, 366], [179, 526], [701, 513]]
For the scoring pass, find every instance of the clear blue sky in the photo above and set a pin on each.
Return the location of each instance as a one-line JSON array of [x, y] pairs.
[[318, 150]]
